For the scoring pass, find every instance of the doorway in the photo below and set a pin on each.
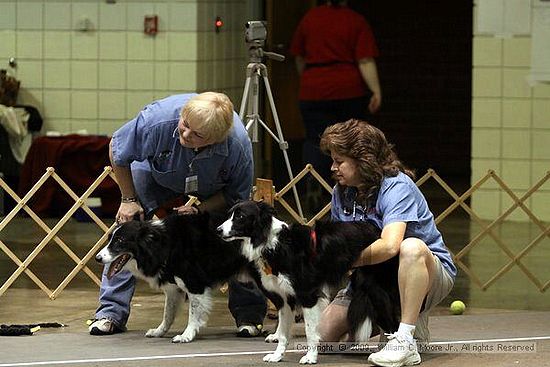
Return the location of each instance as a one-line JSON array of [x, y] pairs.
[[425, 73]]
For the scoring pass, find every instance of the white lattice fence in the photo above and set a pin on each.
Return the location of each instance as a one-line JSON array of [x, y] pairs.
[[265, 190]]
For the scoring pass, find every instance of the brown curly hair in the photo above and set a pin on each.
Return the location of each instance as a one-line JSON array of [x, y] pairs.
[[367, 145]]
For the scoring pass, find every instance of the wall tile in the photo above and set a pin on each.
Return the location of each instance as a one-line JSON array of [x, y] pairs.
[[541, 90], [487, 51], [517, 51], [480, 168], [85, 10], [507, 202], [486, 112], [30, 73], [160, 94], [182, 46], [161, 75], [539, 169], [57, 125], [29, 44], [135, 101], [161, 47], [182, 76], [57, 104], [29, 15], [88, 125], [65, 71], [85, 45], [108, 127], [140, 46], [112, 45], [539, 205], [31, 96], [485, 143], [517, 174], [140, 76], [486, 203], [7, 16], [487, 82], [136, 14], [161, 9], [7, 45], [57, 15], [84, 74], [84, 105], [541, 113], [112, 17], [57, 74], [515, 84], [516, 113], [183, 16], [112, 75], [57, 45], [516, 144], [112, 105], [541, 145]]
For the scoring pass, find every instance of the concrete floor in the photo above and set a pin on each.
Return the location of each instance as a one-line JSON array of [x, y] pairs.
[[465, 339], [512, 312]]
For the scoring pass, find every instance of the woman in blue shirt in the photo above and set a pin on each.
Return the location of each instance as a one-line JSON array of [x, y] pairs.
[[186, 144], [372, 184]]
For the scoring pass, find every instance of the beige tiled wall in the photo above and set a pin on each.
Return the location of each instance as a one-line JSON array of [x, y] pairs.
[[510, 126], [96, 80]]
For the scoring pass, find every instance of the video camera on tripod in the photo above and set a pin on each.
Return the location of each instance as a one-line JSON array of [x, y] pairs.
[[255, 36]]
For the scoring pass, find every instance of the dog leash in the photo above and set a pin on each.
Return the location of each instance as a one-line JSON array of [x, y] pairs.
[[313, 236]]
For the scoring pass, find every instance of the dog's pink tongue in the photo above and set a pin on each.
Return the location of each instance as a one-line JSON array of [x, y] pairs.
[[117, 265]]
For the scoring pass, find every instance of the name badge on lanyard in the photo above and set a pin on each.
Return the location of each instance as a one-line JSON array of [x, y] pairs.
[[191, 181]]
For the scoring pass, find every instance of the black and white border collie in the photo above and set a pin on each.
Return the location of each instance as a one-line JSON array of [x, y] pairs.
[[182, 255], [300, 266]]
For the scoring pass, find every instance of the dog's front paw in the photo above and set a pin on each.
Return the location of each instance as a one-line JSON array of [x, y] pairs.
[[186, 337], [308, 359], [273, 357], [272, 338], [155, 333]]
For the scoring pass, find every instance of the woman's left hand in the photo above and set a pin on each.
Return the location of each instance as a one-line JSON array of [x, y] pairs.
[[375, 102], [186, 209]]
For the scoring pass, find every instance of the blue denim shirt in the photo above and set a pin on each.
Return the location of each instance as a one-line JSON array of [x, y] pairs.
[[160, 164], [398, 200]]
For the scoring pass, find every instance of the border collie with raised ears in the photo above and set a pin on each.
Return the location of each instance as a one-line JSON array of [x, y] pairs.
[[300, 266], [182, 255]]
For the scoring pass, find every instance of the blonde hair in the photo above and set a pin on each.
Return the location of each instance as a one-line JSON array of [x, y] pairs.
[[214, 111]]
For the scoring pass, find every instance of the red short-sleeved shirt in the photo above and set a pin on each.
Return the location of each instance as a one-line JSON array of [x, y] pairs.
[[331, 40]]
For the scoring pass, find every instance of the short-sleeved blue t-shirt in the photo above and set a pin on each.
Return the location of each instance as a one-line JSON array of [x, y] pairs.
[[398, 200], [159, 163]]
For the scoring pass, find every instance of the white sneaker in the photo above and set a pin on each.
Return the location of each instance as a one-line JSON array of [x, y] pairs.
[[399, 351], [104, 327]]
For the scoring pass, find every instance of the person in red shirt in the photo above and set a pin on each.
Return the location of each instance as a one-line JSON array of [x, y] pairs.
[[335, 52]]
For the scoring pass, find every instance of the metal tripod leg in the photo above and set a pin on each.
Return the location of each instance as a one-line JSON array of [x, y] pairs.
[[254, 70]]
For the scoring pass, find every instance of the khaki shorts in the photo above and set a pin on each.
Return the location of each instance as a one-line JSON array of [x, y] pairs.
[[441, 287]]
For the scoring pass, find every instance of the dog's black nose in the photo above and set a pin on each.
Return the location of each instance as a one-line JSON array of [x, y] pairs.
[[98, 258]]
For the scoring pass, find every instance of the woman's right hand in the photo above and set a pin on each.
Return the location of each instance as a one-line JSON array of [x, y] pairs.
[[127, 211]]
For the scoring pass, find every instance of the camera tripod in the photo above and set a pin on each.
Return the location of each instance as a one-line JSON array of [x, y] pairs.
[[254, 71]]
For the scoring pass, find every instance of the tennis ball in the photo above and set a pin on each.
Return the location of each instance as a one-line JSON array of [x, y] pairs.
[[457, 307]]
